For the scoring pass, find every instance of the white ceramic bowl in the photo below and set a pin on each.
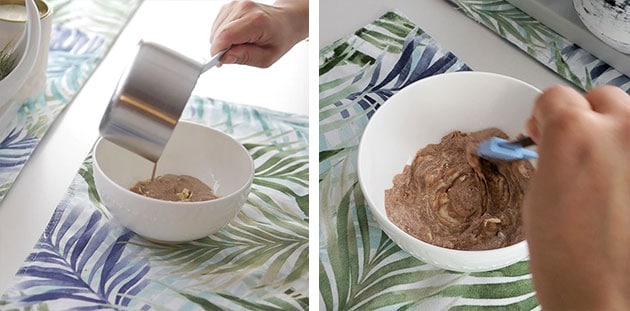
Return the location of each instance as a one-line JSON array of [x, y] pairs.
[[423, 113], [208, 154]]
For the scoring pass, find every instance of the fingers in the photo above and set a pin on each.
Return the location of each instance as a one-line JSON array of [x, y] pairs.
[[554, 103], [219, 20], [239, 31], [609, 100], [558, 102], [258, 34], [532, 129], [239, 22], [250, 54], [228, 13], [242, 41], [224, 36]]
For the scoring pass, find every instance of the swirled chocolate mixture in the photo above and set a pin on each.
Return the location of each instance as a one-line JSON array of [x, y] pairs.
[[452, 198], [172, 187]]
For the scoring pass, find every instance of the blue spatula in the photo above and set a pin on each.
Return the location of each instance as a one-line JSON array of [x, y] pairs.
[[500, 149]]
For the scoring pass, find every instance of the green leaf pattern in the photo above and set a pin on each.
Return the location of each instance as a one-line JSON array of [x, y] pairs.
[[82, 33], [360, 268], [258, 262], [542, 43]]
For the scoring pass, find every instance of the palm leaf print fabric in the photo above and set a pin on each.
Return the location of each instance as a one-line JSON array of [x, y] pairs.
[[86, 261], [360, 268], [546, 46], [82, 33]]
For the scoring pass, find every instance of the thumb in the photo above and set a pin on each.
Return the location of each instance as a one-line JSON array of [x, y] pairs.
[[250, 54], [532, 129]]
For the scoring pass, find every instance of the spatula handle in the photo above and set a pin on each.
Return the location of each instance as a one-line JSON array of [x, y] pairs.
[[524, 141]]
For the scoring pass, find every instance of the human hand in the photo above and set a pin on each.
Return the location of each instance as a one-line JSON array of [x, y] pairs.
[[258, 34], [576, 211]]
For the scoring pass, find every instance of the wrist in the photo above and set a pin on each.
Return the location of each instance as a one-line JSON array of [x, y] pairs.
[[297, 15]]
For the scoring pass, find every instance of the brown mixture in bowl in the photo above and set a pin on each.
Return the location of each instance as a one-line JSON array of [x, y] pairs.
[[451, 198], [170, 187]]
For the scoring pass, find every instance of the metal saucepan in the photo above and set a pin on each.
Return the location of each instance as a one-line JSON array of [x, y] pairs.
[[149, 99]]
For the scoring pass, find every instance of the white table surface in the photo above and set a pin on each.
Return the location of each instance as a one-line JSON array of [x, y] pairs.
[[181, 25]]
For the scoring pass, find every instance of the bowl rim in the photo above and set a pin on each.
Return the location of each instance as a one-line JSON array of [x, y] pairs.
[[391, 226], [226, 197]]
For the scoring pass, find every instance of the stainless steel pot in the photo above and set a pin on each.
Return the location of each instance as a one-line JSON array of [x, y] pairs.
[[149, 100]]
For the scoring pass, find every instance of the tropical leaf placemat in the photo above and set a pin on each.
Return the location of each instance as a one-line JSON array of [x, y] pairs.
[[543, 44], [82, 33], [360, 267], [86, 261]]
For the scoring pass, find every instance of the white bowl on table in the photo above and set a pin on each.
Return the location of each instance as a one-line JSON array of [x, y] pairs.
[[422, 113], [210, 155]]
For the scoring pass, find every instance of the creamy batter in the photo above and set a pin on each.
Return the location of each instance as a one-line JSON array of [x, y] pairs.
[[172, 187], [450, 197]]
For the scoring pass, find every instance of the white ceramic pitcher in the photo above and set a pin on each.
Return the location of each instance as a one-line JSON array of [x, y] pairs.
[[27, 49]]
